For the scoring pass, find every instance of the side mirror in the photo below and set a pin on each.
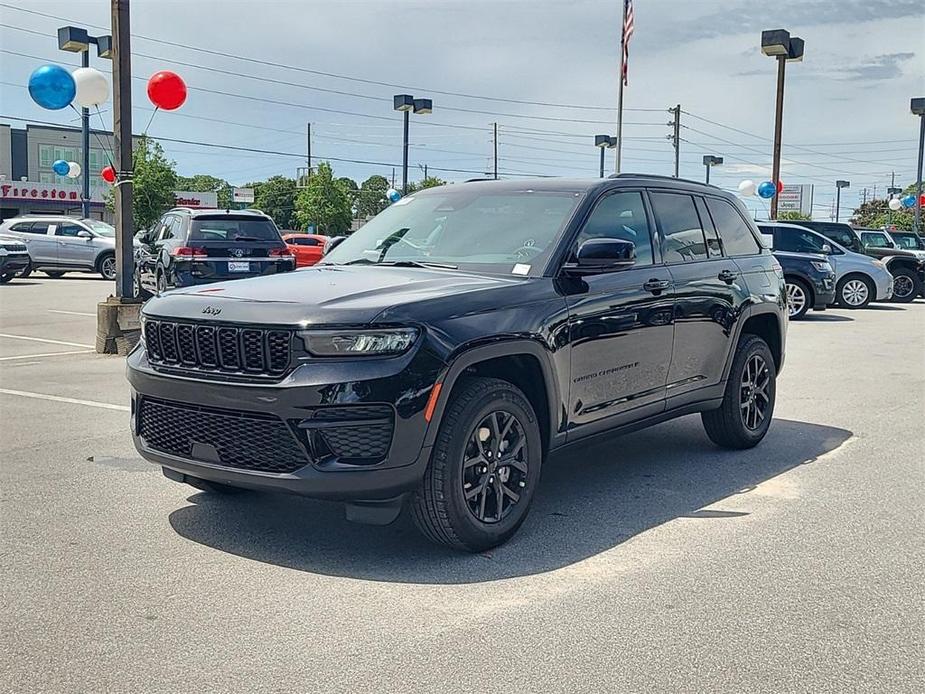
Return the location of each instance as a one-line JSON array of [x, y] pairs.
[[333, 243], [84, 234], [602, 255], [827, 249]]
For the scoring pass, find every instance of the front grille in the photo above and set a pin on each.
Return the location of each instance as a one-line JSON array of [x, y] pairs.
[[256, 352], [366, 431], [14, 247], [243, 440]]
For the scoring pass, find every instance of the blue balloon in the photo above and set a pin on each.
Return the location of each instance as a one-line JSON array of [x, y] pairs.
[[908, 201], [61, 167], [393, 195], [52, 87], [766, 189]]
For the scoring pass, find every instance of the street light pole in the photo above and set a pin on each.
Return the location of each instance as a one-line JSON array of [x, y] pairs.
[[838, 186], [710, 161], [407, 103], [404, 155], [918, 108], [603, 142]]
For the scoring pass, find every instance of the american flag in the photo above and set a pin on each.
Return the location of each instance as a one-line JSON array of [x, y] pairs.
[[628, 27]]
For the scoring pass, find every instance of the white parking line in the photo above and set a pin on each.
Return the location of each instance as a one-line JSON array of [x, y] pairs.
[[72, 313], [72, 401], [47, 354], [52, 342]]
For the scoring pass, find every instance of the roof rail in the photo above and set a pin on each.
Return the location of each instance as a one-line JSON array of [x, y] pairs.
[[659, 177], [475, 180]]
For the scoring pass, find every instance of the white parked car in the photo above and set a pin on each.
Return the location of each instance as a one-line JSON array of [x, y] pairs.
[[60, 244]]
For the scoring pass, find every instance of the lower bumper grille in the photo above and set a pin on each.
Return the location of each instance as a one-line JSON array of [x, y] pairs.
[[353, 432], [243, 440]]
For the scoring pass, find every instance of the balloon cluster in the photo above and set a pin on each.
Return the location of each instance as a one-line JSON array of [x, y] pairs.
[[765, 189], [906, 201], [54, 88], [393, 195]]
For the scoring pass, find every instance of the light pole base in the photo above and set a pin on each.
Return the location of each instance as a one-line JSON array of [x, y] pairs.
[[117, 325]]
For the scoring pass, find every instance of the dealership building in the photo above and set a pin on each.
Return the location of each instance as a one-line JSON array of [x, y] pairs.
[[28, 185]]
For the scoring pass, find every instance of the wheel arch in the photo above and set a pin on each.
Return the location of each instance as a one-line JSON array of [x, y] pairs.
[[98, 261], [806, 282], [523, 363], [767, 326]]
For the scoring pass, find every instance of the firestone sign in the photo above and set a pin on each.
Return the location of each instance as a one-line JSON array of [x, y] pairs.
[[29, 192]]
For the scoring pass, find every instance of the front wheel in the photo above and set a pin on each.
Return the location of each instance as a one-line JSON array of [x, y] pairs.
[[906, 285], [27, 271], [54, 274], [748, 401], [484, 468], [798, 298], [854, 291], [7, 277]]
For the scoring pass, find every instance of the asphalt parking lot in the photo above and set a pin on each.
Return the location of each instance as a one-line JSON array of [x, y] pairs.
[[651, 562]]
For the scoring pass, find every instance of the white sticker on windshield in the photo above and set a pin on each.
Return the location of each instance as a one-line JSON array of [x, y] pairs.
[[403, 201], [521, 269]]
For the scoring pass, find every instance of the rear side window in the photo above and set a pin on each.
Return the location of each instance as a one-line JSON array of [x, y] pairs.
[[737, 238], [680, 225], [620, 216], [303, 242], [68, 230], [232, 229], [31, 227]]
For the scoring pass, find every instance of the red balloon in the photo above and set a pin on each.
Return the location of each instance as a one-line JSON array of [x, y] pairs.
[[167, 90], [922, 200], [780, 185], [108, 174]]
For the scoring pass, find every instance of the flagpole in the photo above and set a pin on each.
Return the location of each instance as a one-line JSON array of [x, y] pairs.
[[620, 90]]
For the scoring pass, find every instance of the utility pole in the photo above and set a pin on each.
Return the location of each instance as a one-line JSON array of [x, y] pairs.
[[308, 150], [393, 177], [495, 145], [864, 196], [675, 137], [117, 318], [425, 172]]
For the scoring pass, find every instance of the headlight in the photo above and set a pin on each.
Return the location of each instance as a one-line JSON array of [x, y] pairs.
[[368, 342], [822, 265]]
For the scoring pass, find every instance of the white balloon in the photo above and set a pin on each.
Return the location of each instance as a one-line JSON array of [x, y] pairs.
[[895, 204], [92, 87], [73, 170], [747, 188]]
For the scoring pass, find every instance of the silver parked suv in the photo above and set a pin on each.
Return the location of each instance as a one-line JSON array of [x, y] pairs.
[[59, 244]]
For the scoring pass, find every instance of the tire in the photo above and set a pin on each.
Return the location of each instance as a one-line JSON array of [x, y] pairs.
[[26, 272], [854, 291], [799, 297], [140, 292], [478, 411], [106, 266], [732, 424], [7, 277], [54, 274], [213, 487], [906, 285], [161, 282]]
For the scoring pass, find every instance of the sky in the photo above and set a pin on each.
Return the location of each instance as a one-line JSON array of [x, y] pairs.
[[545, 71]]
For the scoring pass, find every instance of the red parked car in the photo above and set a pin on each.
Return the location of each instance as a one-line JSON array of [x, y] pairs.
[[307, 248]]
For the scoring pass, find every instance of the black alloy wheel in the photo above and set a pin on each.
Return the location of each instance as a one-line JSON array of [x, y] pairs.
[[495, 466], [754, 399]]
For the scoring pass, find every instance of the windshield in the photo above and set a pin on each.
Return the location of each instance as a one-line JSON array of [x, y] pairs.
[[226, 228], [909, 241], [505, 231], [100, 228]]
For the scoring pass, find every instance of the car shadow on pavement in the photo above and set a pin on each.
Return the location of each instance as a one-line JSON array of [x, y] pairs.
[[591, 498], [883, 307], [825, 318]]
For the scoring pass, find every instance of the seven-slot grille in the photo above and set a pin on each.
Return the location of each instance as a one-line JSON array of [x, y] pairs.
[[245, 440], [223, 349]]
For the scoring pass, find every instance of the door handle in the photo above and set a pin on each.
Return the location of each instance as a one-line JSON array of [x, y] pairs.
[[655, 286], [728, 276]]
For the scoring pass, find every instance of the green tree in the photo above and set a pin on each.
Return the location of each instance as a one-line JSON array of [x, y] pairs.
[[793, 216], [276, 196], [324, 202], [877, 213], [153, 184], [204, 183], [371, 199], [426, 182]]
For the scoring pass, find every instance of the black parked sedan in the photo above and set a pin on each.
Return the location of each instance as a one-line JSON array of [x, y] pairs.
[[810, 282], [191, 247]]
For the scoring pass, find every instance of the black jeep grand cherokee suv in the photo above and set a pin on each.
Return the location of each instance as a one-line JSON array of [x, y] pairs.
[[441, 352]]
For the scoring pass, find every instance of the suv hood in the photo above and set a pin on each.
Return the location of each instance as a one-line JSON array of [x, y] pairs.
[[319, 295]]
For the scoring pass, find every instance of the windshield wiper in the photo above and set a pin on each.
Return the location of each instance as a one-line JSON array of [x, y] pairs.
[[246, 238], [399, 263]]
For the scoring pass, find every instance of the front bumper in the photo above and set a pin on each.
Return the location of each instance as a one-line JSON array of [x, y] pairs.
[[402, 385], [824, 291], [884, 283], [14, 262]]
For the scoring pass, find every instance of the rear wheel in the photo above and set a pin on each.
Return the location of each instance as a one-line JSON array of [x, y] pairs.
[[27, 271], [906, 285], [161, 282], [748, 401], [854, 291], [140, 291], [798, 298], [106, 266], [484, 468], [54, 274], [7, 277]]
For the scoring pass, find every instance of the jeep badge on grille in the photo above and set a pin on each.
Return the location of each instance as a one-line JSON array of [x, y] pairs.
[[211, 311]]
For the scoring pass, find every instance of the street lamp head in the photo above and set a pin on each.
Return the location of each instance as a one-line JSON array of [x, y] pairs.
[[602, 140], [710, 160], [918, 106], [73, 39], [104, 46], [795, 54], [775, 42], [842, 184], [423, 106], [403, 102]]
